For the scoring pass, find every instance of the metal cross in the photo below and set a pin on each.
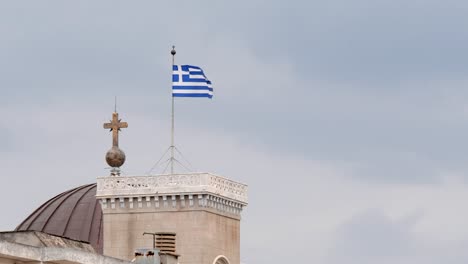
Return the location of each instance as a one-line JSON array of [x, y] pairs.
[[115, 125]]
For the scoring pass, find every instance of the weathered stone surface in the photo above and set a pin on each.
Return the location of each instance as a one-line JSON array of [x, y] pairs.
[[37, 247], [201, 235], [39, 239]]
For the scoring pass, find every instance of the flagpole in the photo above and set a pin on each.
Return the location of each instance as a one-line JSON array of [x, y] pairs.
[[173, 53]]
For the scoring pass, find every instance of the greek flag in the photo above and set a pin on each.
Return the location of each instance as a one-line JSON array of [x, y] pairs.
[[190, 81]]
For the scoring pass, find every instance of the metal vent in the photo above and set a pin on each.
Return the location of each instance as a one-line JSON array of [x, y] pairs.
[[147, 256], [166, 242]]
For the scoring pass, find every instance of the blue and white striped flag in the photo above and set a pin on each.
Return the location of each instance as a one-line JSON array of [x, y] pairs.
[[190, 81]]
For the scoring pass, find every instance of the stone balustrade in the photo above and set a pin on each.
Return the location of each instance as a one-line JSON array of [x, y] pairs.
[[171, 184]]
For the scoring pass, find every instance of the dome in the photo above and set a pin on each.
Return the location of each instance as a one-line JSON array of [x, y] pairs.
[[74, 214]]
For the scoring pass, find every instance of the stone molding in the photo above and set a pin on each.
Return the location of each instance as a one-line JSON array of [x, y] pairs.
[[171, 185], [173, 203], [221, 260]]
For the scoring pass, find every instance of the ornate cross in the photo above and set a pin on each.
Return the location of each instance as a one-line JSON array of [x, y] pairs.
[[115, 125]]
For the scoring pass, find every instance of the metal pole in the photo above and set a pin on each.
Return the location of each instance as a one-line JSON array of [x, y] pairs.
[[173, 53]]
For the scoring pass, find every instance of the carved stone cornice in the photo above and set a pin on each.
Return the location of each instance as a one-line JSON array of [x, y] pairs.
[[170, 185], [170, 203]]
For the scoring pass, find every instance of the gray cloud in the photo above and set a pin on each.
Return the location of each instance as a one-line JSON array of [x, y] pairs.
[[373, 237], [319, 106]]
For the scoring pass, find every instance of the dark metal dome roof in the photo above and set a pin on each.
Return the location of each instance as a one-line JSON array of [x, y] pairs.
[[74, 214]]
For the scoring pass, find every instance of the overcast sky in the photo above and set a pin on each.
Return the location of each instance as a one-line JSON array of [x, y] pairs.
[[347, 119]]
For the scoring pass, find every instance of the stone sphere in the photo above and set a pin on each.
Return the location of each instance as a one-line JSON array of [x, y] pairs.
[[115, 157]]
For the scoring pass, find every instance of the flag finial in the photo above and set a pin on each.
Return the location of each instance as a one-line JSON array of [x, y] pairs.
[[173, 52]]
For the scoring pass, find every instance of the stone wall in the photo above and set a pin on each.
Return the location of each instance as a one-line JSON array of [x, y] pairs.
[[202, 235]]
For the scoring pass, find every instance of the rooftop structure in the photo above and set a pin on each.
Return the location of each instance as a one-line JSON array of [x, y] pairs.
[[75, 214], [202, 209], [38, 247]]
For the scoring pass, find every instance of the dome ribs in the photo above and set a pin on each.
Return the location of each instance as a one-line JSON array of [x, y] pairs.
[[65, 199], [96, 231], [92, 221], [75, 214], [66, 230], [33, 217]]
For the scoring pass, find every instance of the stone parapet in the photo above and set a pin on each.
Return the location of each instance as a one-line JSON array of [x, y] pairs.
[[170, 185]]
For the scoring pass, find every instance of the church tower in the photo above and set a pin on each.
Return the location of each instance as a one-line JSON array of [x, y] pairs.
[[202, 210]]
